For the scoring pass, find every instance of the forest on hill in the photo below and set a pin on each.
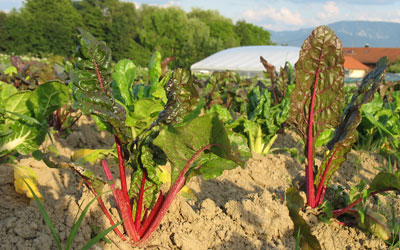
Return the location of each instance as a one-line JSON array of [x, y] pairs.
[[46, 27]]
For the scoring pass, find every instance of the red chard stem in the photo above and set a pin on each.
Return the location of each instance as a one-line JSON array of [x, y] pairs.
[[140, 203]]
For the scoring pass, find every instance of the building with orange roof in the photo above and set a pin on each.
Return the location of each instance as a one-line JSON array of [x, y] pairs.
[[369, 56], [354, 68]]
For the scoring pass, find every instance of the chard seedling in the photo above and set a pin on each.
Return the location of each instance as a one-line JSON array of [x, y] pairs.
[[152, 123]]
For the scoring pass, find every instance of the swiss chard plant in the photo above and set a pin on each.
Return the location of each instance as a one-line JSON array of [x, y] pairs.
[[318, 105], [23, 114], [152, 124], [23, 124], [249, 106], [380, 125]]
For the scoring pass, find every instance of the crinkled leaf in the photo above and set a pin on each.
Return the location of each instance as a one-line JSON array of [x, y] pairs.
[[92, 50], [24, 175], [182, 97], [92, 80], [181, 143], [123, 76], [294, 203], [346, 132], [319, 77]]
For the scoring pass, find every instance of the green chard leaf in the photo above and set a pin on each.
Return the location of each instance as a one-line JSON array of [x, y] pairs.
[[6, 90], [346, 132], [385, 181], [181, 143], [317, 99], [123, 76], [47, 98], [155, 68]]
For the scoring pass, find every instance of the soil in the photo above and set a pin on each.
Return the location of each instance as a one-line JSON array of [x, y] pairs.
[[242, 209]]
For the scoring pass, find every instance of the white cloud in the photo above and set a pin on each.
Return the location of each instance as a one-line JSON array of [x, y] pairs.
[[283, 15], [330, 10]]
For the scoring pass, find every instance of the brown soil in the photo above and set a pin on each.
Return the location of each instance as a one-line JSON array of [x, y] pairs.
[[242, 209]]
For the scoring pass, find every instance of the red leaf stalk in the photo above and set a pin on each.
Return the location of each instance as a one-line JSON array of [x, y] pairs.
[[105, 211], [99, 76], [321, 186], [140, 203], [310, 145], [337, 213], [123, 205], [171, 195], [122, 170]]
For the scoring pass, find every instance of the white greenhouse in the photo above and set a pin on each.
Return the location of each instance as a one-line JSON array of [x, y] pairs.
[[246, 60]]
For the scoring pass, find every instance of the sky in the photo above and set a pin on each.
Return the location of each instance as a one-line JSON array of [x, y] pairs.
[[280, 15]]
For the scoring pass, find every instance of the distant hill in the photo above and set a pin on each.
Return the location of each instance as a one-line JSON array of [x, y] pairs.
[[352, 34]]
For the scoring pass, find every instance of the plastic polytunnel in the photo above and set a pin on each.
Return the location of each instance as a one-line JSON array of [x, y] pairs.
[[246, 60]]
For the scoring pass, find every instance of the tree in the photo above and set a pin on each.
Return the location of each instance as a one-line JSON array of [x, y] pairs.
[[4, 36], [221, 28], [166, 30], [96, 17], [52, 26], [250, 34], [123, 29]]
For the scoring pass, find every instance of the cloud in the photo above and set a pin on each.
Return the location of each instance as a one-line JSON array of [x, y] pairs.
[[330, 10], [283, 15]]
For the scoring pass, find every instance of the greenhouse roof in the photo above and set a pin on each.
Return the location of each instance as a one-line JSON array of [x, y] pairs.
[[246, 60]]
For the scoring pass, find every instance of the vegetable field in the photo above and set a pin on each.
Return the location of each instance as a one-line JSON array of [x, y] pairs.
[[96, 154]]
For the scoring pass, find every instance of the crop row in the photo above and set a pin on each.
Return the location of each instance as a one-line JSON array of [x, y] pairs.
[[201, 126]]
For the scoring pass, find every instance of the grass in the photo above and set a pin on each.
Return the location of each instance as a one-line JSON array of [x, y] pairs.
[[75, 226]]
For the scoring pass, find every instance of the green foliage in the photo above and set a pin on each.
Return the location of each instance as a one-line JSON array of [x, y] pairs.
[[250, 34], [394, 67], [46, 33], [43, 27], [25, 113], [75, 226], [151, 121]]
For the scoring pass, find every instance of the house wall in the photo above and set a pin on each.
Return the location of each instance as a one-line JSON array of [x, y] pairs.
[[356, 73]]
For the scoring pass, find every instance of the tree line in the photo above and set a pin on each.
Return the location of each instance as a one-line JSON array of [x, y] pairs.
[[43, 27]]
